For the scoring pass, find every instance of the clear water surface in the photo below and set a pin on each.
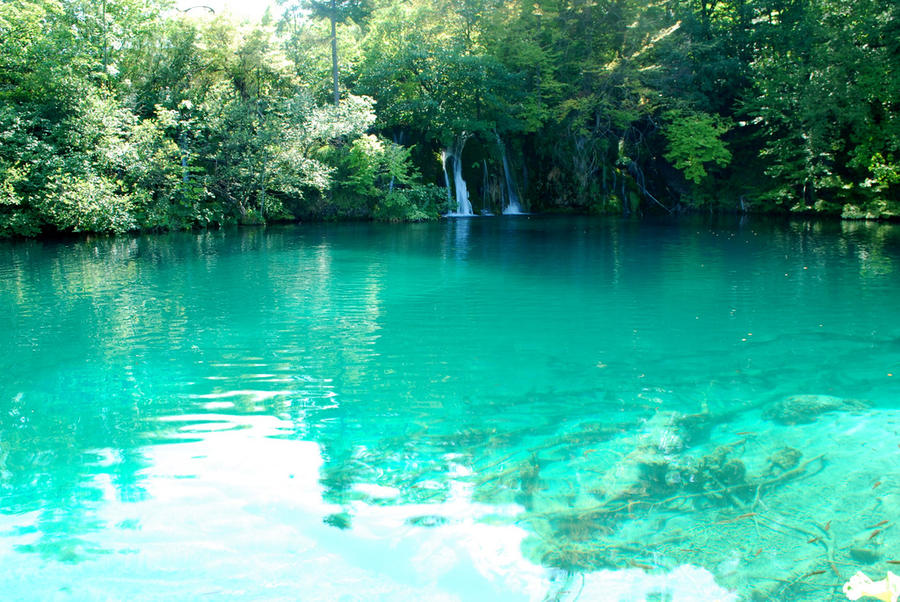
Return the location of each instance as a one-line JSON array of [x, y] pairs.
[[481, 409]]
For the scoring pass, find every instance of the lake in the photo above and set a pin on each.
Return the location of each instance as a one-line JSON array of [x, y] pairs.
[[510, 408]]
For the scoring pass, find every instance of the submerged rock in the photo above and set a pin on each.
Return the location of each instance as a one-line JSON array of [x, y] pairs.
[[867, 547], [803, 409], [428, 520], [715, 470], [785, 458], [865, 554], [340, 520]]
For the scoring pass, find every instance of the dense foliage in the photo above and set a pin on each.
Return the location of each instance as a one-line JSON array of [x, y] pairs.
[[124, 114]]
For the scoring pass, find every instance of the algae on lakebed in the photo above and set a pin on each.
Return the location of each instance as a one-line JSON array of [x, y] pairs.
[[774, 512]]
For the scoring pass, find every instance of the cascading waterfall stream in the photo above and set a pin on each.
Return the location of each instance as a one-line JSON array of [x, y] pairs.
[[444, 157], [512, 206], [485, 185], [463, 205]]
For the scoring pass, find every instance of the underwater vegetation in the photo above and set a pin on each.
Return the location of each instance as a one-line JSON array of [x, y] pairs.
[[759, 496]]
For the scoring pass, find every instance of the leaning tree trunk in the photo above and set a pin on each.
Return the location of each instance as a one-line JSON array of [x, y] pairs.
[[334, 54]]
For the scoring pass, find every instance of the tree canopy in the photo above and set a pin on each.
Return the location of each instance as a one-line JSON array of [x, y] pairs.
[[120, 115]]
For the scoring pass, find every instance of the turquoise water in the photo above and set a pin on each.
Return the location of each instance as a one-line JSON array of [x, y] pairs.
[[481, 409]]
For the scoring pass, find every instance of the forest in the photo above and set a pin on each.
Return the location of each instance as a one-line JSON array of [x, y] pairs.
[[123, 115]]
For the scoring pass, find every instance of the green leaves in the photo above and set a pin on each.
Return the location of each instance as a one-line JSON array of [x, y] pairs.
[[824, 105], [695, 142], [194, 123], [88, 203], [416, 204]]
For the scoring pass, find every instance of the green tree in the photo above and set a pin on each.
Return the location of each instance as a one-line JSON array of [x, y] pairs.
[[334, 11], [695, 142]]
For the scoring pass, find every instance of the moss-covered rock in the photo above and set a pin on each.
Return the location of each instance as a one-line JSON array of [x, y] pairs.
[[803, 409]]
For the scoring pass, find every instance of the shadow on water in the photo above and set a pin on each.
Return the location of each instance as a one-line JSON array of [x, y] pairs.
[[644, 394]]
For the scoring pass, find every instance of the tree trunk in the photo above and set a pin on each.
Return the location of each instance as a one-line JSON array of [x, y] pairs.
[[334, 54], [105, 38], [704, 17]]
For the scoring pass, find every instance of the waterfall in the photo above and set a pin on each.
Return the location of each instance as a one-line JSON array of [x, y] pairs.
[[463, 206], [446, 178], [512, 207], [485, 186]]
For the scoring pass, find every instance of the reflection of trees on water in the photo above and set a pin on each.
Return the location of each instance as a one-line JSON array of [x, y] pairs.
[[116, 333], [436, 422], [109, 334], [875, 245], [62, 459], [98, 342], [564, 468]]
